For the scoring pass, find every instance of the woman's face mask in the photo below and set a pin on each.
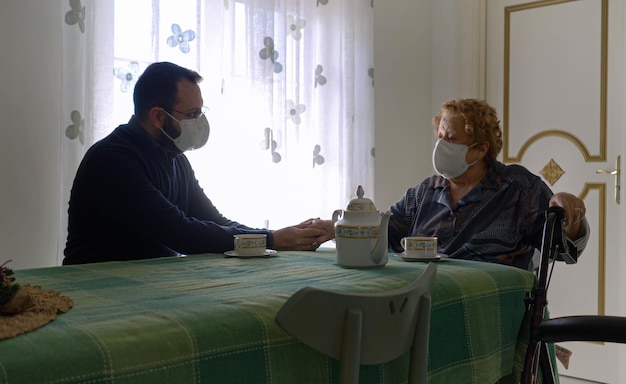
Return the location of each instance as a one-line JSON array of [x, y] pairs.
[[194, 133], [449, 158]]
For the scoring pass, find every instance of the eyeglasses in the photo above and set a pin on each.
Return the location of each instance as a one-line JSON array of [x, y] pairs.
[[194, 115]]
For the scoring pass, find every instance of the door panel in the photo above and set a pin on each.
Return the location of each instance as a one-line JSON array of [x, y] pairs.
[[554, 72]]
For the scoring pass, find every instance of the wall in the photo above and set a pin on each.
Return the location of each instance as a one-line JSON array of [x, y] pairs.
[[30, 86], [418, 64], [403, 83], [425, 52]]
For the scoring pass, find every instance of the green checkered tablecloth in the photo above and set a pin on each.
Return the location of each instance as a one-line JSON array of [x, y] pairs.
[[210, 319]]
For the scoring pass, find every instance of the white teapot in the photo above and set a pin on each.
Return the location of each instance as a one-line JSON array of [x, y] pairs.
[[361, 234]]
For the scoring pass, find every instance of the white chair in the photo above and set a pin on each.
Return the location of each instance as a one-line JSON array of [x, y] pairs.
[[362, 328]]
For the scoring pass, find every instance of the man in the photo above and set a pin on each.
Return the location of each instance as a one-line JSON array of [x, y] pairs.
[[135, 195]]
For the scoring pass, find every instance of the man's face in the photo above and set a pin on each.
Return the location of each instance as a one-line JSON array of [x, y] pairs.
[[188, 105]]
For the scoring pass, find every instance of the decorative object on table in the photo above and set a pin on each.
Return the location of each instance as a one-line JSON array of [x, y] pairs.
[[8, 290], [361, 234], [25, 308]]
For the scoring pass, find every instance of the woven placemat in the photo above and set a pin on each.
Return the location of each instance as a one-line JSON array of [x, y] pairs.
[[46, 306]]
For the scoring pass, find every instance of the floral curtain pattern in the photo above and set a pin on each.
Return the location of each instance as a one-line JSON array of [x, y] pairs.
[[288, 84]]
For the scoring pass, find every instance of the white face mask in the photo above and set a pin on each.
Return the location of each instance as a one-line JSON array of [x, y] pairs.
[[449, 158], [194, 133]]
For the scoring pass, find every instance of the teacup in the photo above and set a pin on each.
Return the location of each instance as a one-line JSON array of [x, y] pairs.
[[419, 246], [253, 244]]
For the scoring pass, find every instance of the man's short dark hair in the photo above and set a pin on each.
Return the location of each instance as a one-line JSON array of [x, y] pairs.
[[156, 87]]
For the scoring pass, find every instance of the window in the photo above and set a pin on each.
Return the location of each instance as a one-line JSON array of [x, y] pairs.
[[289, 92]]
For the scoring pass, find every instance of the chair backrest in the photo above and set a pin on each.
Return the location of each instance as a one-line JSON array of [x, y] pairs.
[[364, 328]]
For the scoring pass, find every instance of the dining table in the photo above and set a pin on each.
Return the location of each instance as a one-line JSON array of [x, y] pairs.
[[210, 318]]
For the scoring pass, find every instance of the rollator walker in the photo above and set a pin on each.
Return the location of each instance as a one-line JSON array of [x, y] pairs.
[[544, 330]]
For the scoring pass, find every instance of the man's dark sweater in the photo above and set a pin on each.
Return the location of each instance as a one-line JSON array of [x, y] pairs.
[[132, 200]]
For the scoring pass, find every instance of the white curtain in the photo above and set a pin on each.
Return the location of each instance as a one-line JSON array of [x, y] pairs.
[[87, 100], [288, 83]]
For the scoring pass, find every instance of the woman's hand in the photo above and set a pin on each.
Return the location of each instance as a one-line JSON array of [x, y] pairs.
[[574, 212]]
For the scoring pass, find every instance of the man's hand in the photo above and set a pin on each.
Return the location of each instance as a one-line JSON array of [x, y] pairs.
[[306, 236]]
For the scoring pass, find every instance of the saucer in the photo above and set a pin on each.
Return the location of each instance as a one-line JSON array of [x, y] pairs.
[[436, 257], [267, 253]]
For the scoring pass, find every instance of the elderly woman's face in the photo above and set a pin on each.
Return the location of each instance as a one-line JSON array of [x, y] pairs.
[[452, 129]]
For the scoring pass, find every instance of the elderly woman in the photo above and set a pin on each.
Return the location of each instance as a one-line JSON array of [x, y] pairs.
[[477, 207]]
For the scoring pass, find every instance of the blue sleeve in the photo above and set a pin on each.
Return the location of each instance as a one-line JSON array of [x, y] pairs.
[[125, 187], [401, 220], [534, 212]]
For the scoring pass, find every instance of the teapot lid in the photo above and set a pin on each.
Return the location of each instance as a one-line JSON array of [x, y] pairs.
[[361, 204]]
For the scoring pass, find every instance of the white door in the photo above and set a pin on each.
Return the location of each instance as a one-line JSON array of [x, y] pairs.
[[555, 73]]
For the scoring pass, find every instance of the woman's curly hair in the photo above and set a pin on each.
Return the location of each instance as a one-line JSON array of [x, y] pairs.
[[481, 120]]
